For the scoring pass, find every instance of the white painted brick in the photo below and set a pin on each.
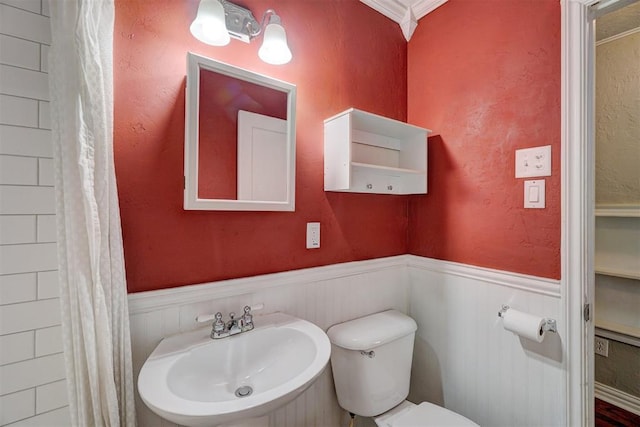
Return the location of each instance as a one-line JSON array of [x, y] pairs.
[[46, 8], [29, 315], [26, 83], [44, 58], [46, 228], [48, 341], [25, 141], [30, 5], [17, 229], [18, 111], [48, 285], [19, 52], [45, 172], [25, 25], [44, 115], [16, 347], [18, 200], [57, 418], [16, 288], [17, 406], [51, 396], [26, 258], [16, 170], [31, 373]]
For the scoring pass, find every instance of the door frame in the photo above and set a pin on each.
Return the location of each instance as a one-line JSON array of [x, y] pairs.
[[578, 194]]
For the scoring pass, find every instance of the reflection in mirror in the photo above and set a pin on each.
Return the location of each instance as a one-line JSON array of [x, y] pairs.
[[239, 139]]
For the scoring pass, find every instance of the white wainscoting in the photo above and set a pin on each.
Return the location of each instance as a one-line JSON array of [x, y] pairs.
[[463, 359], [322, 295]]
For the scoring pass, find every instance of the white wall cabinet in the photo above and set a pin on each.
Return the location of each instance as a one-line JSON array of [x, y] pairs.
[[367, 153]]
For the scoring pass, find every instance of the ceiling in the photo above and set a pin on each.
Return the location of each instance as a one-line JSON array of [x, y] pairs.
[[404, 12]]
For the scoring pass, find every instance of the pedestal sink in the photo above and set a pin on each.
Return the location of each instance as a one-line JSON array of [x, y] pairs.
[[192, 380]]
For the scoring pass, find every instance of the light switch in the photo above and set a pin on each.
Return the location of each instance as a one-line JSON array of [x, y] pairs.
[[534, 161], [534, 194], [313, 235]]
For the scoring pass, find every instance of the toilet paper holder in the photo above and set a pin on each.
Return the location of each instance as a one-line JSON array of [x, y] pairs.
[[549, 324]]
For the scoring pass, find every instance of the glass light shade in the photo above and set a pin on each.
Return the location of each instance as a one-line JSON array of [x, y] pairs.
[[274, 49], [209, 26]]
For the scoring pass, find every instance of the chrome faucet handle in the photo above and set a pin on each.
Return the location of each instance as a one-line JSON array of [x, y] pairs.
[[233, 325], [247, 319], [218, 328]]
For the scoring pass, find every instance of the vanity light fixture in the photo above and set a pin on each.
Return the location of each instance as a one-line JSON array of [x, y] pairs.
[[219, 20]]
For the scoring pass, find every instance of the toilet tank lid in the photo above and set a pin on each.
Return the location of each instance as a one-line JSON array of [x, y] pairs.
[[366, 333]]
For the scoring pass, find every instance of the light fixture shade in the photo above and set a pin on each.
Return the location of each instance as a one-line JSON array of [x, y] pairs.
[[274, 49], [209, 26]]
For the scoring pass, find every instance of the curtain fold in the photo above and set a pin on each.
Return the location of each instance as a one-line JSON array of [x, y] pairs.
[[93, 295]]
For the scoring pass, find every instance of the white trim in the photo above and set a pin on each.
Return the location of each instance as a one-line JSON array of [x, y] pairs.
[[623, 400], [618, 36], [619, 210], [578, 220], [392, 9], [397, 10], [534, 284], [423, 7], [143, 302]]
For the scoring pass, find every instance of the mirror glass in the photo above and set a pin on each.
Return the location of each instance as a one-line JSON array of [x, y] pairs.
[[239, 139]]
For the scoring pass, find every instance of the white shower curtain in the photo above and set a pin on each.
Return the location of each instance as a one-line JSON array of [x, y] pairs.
[[93, 295]]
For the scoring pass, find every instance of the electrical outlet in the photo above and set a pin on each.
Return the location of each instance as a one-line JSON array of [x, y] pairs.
[[601, 346], [534, 161]]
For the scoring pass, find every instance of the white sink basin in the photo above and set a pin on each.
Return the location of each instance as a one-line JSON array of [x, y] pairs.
[[192, 380]]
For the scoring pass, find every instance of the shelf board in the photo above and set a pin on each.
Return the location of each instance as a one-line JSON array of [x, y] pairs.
[[398, 171], [627, 330], [618, 210], [617, 272]]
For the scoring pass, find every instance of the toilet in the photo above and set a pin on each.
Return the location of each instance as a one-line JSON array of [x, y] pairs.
[[371, 361]]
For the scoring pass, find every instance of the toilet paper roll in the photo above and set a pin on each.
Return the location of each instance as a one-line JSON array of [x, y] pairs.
[[524, 324]]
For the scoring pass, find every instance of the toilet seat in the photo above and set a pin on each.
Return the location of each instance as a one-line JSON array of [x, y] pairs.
[[423, 415]]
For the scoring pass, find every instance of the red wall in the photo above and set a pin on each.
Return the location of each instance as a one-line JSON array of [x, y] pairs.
[[485, 75], [345, 54]]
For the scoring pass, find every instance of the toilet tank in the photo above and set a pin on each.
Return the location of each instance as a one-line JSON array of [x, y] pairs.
[[371, 361]]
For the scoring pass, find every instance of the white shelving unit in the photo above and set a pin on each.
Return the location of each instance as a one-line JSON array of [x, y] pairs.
[[367, 153], [617, 249]]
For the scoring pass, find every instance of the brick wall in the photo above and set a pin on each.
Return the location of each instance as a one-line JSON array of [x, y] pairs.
[[32, 384]]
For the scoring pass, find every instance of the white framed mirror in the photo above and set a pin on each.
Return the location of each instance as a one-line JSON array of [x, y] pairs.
[[239, 151]]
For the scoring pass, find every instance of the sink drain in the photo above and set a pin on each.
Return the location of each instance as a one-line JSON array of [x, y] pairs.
[[244, 391]]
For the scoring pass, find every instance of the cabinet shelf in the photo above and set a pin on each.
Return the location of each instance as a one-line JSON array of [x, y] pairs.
[[367, 153], [398, 171], [617, 243], [617, 272]]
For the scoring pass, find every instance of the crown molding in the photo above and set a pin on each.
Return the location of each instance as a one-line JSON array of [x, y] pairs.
[[405, 15]]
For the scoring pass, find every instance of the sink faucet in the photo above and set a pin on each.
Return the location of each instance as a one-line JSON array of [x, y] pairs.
[[220, 329]]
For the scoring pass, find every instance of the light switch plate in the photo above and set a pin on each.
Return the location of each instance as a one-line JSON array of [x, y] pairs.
[[313, 235], [534, 194], [534, 161]]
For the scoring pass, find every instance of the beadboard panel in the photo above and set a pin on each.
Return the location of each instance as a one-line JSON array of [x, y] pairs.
[[465, 360], [322, 295]]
